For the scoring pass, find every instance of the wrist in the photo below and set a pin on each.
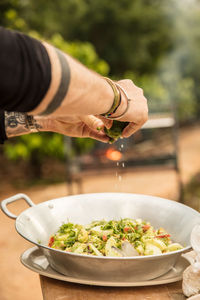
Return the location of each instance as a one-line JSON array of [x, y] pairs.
[[88, 93], [121, 108], [94, 96], [106, 97], [43, 123], [120, 104], [17, 124], [116, 100]]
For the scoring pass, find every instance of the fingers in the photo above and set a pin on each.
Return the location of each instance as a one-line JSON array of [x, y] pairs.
[[107, 122], [130, 129], [98, 136], [92, 122], [95, 134], [138, 109], [96, 122], [93, 128]]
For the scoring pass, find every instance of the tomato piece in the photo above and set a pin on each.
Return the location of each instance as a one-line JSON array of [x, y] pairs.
[[51, 241], [163, 236], [127, 229], [104, 238], [145, 227]]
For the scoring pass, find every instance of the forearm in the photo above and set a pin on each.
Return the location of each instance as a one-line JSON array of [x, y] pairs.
[[39, 79], [17, 124], [86, 92]]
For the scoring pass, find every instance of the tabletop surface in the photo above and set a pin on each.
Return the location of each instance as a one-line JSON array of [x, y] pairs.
[[53, 289]]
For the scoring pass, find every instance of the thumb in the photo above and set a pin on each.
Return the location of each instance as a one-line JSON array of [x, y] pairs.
[[107, 123], [92, 122]]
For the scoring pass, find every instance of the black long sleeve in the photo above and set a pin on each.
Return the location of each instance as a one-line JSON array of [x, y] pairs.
[[3, 136], [25, 73]]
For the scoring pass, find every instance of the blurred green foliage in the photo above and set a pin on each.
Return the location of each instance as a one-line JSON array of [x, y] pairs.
[[127, 34], [42, 145], [156, 43]]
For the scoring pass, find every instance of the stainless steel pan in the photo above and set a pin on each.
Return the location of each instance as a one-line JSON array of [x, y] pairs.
[[38, 222]]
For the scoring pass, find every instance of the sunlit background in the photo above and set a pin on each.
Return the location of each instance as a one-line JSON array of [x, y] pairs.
[[157, 45]]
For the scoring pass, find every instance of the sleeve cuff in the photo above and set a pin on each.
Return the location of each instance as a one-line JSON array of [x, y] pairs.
[[3, 136]]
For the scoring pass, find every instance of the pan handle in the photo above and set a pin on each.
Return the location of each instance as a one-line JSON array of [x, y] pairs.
[[14, 198]]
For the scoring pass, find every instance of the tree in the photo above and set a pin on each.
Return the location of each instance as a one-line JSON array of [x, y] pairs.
[[127, 34]]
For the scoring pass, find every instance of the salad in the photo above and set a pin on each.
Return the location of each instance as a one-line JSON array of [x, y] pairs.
[[126, 237]]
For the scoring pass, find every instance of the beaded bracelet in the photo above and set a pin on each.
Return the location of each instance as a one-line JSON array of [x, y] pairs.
[[116, 101]]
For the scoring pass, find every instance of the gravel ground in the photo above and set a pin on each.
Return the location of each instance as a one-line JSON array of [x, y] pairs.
[[19, 283]]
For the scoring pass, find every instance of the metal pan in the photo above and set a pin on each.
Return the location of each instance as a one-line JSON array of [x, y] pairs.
[[37, 223]]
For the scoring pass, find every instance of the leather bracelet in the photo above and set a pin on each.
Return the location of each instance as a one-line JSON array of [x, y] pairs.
[[127, 107], [116, 101]]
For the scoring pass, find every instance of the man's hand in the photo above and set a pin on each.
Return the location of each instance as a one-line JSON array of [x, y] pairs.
[[88, 126], [76, 126], [137, 114]]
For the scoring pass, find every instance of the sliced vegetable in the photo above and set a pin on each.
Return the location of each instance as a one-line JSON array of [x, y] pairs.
[[174, 247], [110, 247], [83, 236], [151, 249], [126, 237], [158, 243], [95, 250]]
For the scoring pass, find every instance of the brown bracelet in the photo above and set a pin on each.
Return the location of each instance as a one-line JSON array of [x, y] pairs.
[[116, 101], [127, 107]]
